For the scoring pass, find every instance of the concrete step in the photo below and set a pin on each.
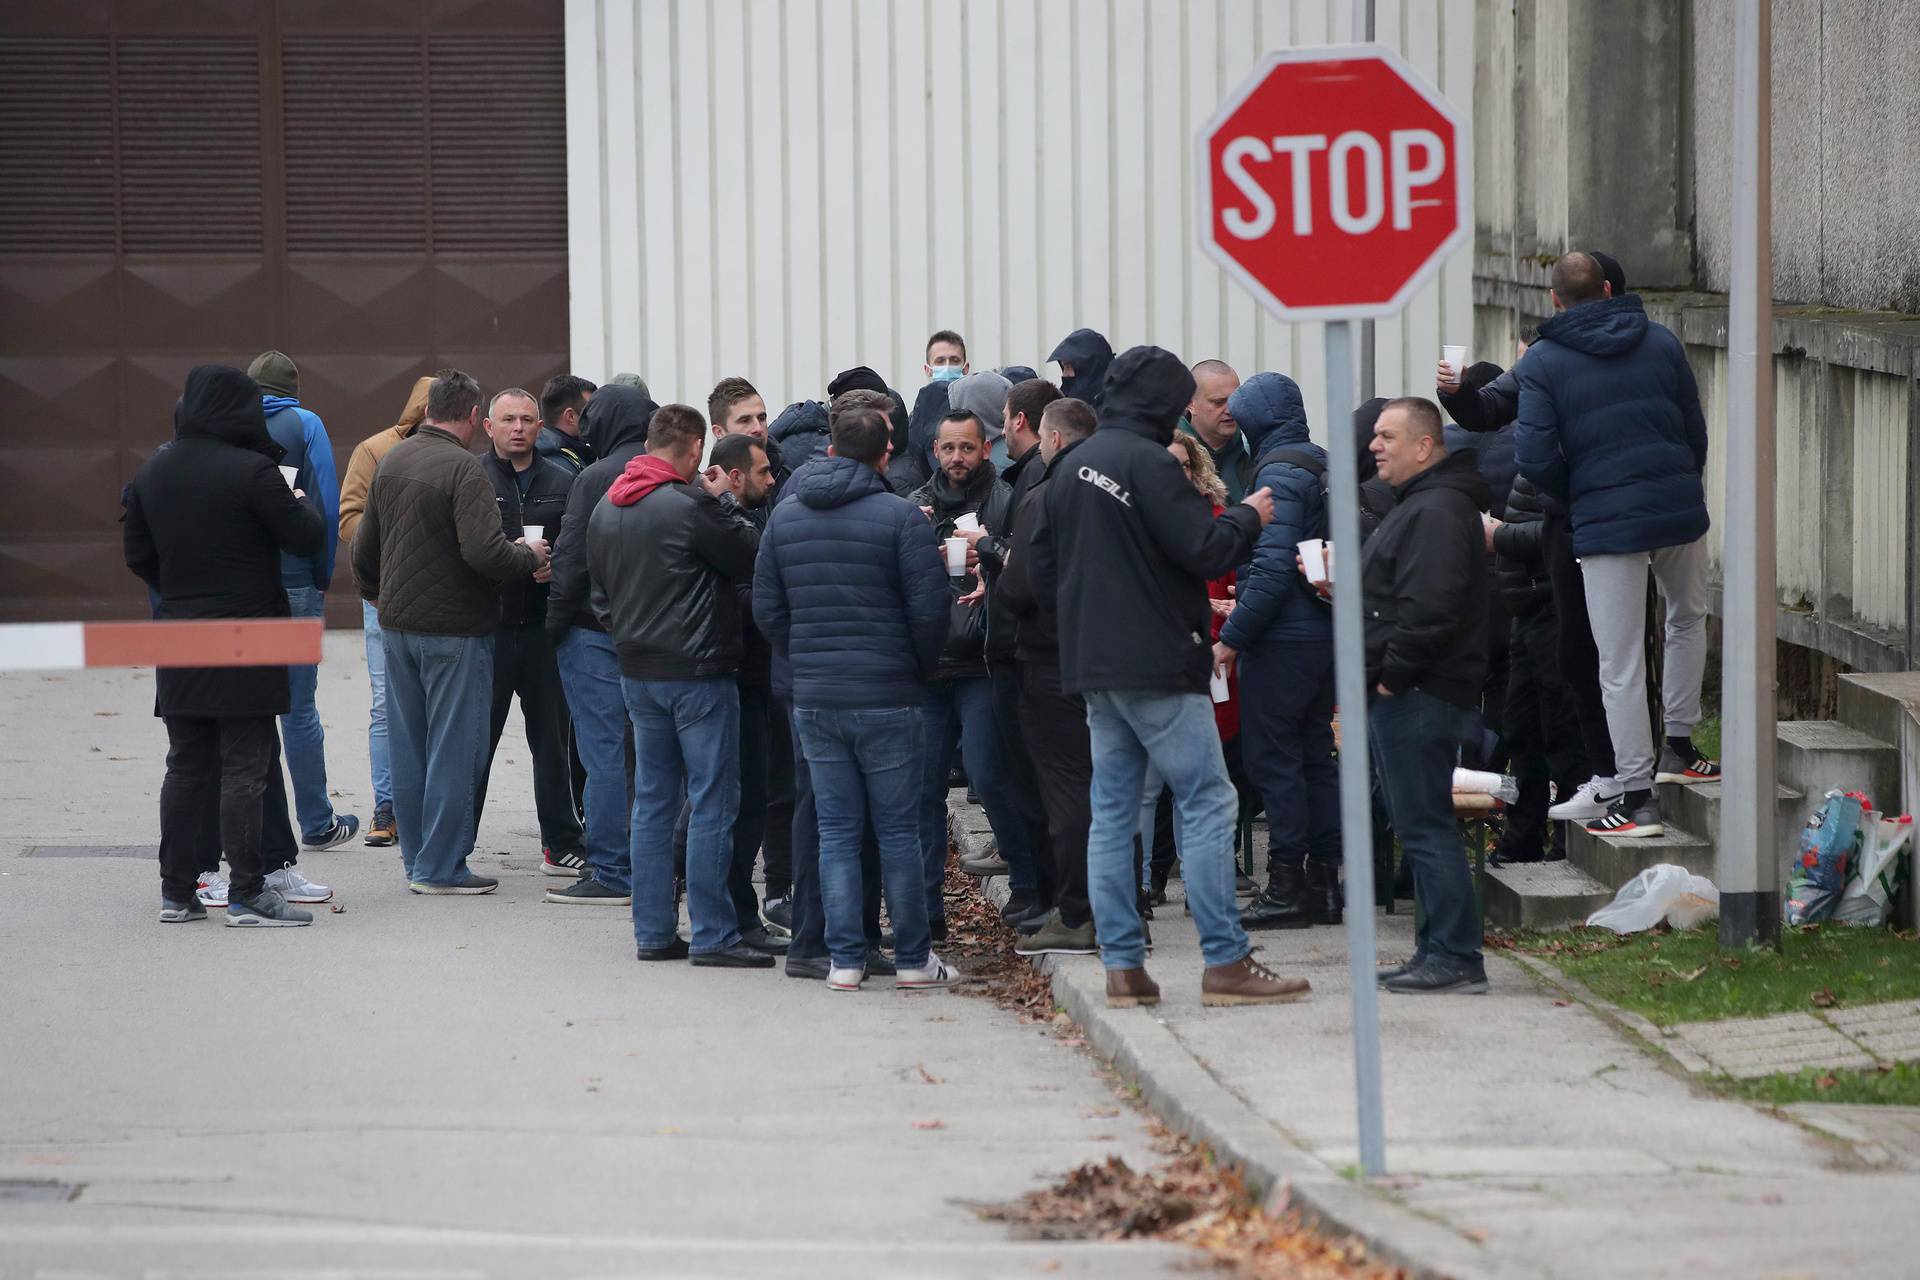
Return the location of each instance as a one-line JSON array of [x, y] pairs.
[[1614, 860], [1542, 895], [1696, 808], [1817, 756], [1880, 703]]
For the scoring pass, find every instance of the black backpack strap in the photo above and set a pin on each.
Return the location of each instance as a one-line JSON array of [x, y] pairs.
[[1294, 455]]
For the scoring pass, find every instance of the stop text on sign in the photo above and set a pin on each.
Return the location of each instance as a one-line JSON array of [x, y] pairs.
[[1333, 182], [1387, 176]]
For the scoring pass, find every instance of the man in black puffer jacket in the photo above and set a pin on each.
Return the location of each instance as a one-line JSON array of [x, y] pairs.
[[1135, 545], [959, 707], [1541, 739], [615, 425], [1424, 581]]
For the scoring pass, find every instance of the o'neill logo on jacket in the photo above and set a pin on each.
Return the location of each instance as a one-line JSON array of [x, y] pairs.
[[1107, 483]]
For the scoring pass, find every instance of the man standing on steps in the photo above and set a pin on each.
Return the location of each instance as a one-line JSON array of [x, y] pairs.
[[1423, 578], [1610, 424], [207, 520], [300, 432], [532, 492], [431, 555], [1130, 547], [1210, 420]]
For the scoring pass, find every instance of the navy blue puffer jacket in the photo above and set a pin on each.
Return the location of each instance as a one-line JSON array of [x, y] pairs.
[[1275, 604], [851, 590], [1610, 425]]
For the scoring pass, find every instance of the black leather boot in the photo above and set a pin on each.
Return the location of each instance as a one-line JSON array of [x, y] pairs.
[[1284, 903], [1324, 895]]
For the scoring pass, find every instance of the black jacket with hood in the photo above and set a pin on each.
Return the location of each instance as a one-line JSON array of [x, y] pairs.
[[987, 496], [1032, 616], [1020, 478], [913, 467], [576, 455], [206, 523], [1134, 544], [1423, 579], [1091, 355], [615, 425], [1519, 550]]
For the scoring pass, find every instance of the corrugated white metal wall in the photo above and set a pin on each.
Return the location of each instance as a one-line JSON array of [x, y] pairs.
[[782, 189]]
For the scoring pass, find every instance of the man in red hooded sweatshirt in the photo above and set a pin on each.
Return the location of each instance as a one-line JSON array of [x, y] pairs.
[[666, 553]]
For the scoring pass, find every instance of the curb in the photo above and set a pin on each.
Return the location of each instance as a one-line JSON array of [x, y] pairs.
[[1188, 1098]]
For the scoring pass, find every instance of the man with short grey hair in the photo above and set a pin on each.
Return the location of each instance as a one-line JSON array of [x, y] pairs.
[[431, 554]]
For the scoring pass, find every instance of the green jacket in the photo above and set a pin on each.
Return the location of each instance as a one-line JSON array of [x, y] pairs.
[[1234, 463]]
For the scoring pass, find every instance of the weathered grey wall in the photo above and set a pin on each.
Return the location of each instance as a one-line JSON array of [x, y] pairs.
[[1846, 150]]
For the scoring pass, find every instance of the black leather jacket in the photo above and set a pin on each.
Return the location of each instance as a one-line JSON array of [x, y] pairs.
[[523, 602]]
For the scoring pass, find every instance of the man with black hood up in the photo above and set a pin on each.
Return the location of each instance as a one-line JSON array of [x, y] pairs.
[[1083, 357], [207, 522], [615, 426], [862, 378], [1135, 545]]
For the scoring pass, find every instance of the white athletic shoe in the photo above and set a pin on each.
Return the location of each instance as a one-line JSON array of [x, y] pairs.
[[1590, 800], [294, 887], [212, 890], [933, 975], [845, 979]]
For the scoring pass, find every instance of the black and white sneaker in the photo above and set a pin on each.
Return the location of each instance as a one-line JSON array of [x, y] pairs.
[[589, 892], [563, 862], [345, 827], [1686, 769], [779, 916], [1634, 816]]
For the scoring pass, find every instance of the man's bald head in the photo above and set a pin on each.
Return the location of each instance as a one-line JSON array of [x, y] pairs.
[[1578, 278]]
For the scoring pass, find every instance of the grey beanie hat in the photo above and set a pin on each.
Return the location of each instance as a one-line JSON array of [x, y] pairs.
[[985, 396]]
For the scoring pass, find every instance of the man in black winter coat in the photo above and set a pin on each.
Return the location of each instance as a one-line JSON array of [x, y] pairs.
[[966, 489], [1423, 576], [207, 521], [615, 426], [1128, 548], [532, 495]]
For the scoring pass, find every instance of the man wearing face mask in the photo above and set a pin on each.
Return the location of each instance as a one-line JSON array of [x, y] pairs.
[[1083, 357], [960, 697], [946, 357]]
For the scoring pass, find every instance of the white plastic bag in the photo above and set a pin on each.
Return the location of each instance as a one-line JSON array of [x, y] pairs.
[[1665, 892], [1879, 873], [1478, 782]]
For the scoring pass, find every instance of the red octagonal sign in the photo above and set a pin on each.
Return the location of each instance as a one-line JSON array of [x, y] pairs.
[[1333, 182]]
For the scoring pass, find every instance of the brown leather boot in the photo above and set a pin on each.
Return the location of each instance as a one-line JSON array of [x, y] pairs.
[[1246, 981], [1131, 988]]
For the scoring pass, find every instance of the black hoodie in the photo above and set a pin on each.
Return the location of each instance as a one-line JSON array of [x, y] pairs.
[[615, 427], [1090, 354], [206, 522], [1133, 544], [1424, 583]]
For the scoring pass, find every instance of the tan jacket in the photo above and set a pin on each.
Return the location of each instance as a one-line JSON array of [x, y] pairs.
[[366, 460]]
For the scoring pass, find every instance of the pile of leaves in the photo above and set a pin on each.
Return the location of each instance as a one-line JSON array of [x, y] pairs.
[[1188, 1200], [981, 946]]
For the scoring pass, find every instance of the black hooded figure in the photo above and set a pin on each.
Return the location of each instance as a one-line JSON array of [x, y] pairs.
[[206, 523], [1089, 353], [862, 378], [615, 425]]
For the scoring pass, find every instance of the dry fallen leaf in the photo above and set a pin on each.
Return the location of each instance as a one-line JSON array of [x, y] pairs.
[[1103, 1113], [337, 909], [1824, 998], [1825, 1082], [1479, 1235], [928, 1076], [929, 1124], [1561, 1004]]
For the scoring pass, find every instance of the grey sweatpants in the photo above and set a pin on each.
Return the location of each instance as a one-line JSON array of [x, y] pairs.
[[1617, 605]]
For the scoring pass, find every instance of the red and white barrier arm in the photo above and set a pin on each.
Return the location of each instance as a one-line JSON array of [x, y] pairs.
[[219, 642]]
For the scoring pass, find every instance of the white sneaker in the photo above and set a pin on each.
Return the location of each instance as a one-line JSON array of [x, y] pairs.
[[212, 890], [294, 887], [931, 976], [1591, 800], [845, 979]]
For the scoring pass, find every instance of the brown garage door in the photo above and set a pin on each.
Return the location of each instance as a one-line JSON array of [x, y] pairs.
[[378, 190]]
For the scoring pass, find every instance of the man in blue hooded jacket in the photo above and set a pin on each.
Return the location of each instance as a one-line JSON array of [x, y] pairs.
[[1281, 634], [300, 432], [1610, 425]]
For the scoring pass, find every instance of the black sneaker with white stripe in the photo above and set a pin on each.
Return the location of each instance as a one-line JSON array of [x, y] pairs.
[[563, 862], [1634, 816], [1686, 767]]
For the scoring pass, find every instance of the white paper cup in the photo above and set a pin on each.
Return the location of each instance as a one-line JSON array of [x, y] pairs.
[[1456, 358], [292, 476], [1217, 685], [967, 523], [956, 557], [1313, 559], [535, 532]]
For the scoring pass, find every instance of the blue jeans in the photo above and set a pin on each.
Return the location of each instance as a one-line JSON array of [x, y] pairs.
[[866, 764], [306, 741], [590, 673], [1286, 744], [1174, 733], [686, 743], [439, 689], [377, 722], [809, 916], [1416, 739], [963, 709]]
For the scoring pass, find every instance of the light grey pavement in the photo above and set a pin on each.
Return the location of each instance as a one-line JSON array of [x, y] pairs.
[[471, 1087], [1527, 1136]]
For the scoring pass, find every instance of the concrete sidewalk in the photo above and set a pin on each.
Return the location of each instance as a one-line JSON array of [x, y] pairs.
[[1527, 1135]]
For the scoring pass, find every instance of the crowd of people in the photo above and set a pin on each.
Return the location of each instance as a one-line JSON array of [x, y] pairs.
[[744, 642]]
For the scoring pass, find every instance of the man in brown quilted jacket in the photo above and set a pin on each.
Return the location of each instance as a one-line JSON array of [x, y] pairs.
[[430, 554]]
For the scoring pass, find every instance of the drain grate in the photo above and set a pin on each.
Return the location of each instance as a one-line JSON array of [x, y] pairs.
[[146, 851], [39, 1190]]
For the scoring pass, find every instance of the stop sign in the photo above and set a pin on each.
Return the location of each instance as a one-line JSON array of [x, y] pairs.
[[1333, 182]]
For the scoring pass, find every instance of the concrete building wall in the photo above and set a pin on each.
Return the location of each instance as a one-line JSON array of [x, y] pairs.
[[785, 188]]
